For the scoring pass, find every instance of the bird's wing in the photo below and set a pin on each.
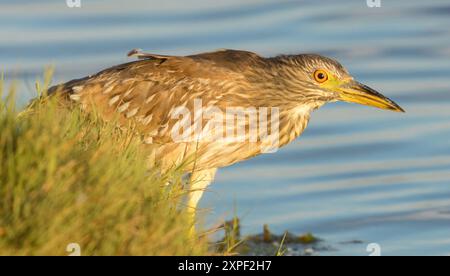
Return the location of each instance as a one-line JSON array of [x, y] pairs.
[[147, 91], [235, 60]]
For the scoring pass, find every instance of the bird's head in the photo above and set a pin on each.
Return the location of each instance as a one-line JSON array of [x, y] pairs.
[[316, 77]]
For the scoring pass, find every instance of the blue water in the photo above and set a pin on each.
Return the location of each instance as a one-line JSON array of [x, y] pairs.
[[356, 174]]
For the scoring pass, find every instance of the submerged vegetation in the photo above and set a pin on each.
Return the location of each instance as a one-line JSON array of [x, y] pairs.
[[69, 178], [266, 242]]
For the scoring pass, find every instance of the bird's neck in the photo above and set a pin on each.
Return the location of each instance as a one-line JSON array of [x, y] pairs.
[[293, 121]]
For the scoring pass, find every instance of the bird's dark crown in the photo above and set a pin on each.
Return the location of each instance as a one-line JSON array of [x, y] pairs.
[[311, 62]]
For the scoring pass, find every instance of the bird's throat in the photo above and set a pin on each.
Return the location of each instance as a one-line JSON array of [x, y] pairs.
[[293, 122]]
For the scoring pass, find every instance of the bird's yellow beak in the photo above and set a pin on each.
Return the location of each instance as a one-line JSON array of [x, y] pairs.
[[355, 92]]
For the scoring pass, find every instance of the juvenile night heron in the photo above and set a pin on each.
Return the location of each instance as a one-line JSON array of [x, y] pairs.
[[154, 92]]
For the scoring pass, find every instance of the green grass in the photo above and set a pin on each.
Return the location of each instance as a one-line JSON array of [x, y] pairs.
[[68, 177]]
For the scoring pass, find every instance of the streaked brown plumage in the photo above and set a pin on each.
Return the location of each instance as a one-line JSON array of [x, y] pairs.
[[146, 93]]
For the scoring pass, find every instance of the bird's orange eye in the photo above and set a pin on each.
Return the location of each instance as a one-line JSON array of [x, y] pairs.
[[320, 76]]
